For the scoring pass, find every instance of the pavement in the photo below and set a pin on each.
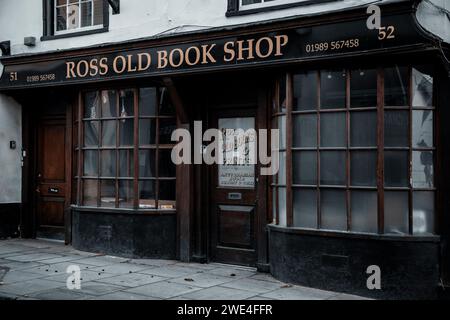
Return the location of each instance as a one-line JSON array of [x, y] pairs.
[[37, 270]]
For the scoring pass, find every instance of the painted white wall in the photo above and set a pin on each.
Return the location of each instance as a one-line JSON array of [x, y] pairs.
[[433, 16], [139, 19], [10, 160]]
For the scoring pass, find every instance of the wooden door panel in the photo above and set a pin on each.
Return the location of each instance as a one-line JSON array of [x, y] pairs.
[[53, 152], [235, 226], [50, 212]]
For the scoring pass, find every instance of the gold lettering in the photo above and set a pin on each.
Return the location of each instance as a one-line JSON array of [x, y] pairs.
[[197, 56], [93, 66], [86, 68], [116, 67], [258, 47], [280, 41], [141, 66], [229, 49], [171, 59], [130, 64], [207, 54], [103, 66], [70, 73], [162, 59], [249, 48]]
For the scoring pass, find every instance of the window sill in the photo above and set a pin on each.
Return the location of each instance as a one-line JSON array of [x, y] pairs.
[[74, 34], [157, 212], [242, 12], [354, 235]]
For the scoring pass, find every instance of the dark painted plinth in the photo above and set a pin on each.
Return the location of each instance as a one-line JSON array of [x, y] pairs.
[[409, 268], [131, 235], [9, 220]]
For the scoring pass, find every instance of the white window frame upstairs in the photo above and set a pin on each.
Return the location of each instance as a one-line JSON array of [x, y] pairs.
[[79, 28], [265, 4]]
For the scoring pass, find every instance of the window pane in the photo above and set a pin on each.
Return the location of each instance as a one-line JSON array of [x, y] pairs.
[[364, 211], [333, 209], [166, 166], [61, 18], [147, 102], [90, 193], [422, 128], [363, 129], [282, 169], [332, 130], [305, 208], [61, 2], [422, 169], [126, 194], [282, 206], [98, 12], [282, 133], [86, 14], [109, 133], [147, 132], [332, 168], [126, 106], [108, 161], [423, 212], [167, 190], [305, 131], [305, 91], [126, 160], [73, 16], [396, 169], [396, 212], [363, 167], [332, 91], [282, 97], [147, 194], [166, 127], [166, 107], [305, 168], [92, 105], [422, 80], [396, 128], [108, 193], [91, 132], [396, 86], [90, 163], [147, 163], [126, 132], [109, 103], [363, 88]]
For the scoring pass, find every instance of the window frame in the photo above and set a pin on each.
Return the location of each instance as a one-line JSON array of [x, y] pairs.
[[380, 187], [49, 23], [235, 9], [80, 148]]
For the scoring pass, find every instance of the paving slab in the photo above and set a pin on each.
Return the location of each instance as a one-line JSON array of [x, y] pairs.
[[298, 293], [173, 271], [60, 294], [203, 280], [257, 286], [231, 272], [58, 268], [123, 296], [164, 289], [131, 279], [99, 289], [28, 287], [19, 276], [101, 261], [33, 257], [122, 268], [219, 293], [86, 275]]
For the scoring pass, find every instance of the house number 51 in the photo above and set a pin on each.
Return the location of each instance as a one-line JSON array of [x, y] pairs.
[[386, 33], [13, 76]]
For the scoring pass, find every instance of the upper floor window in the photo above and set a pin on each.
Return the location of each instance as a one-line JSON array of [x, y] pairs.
[[71, 15], [238, 7], [66, 18]]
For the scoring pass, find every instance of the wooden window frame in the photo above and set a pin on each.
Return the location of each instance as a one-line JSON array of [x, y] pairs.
[[380, 187], [80, 148]]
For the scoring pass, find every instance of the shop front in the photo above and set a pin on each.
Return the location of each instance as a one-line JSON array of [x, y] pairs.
[[361, 180]]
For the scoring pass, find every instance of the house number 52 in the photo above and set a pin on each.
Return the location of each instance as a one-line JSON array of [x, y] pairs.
[[386, 33], [13, 76]]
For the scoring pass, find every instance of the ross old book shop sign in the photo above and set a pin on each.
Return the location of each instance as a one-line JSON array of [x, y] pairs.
[[278, 46]]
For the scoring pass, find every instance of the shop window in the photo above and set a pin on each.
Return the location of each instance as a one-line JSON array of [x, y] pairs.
[[63, 18], [236, 7], [343, 135], [126, 149]]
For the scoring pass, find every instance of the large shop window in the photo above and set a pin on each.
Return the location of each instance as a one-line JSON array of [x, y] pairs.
[[357, 151], [126, 149], [64, 18]]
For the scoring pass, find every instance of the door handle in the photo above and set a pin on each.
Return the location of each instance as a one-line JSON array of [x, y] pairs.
[[38, 190]]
